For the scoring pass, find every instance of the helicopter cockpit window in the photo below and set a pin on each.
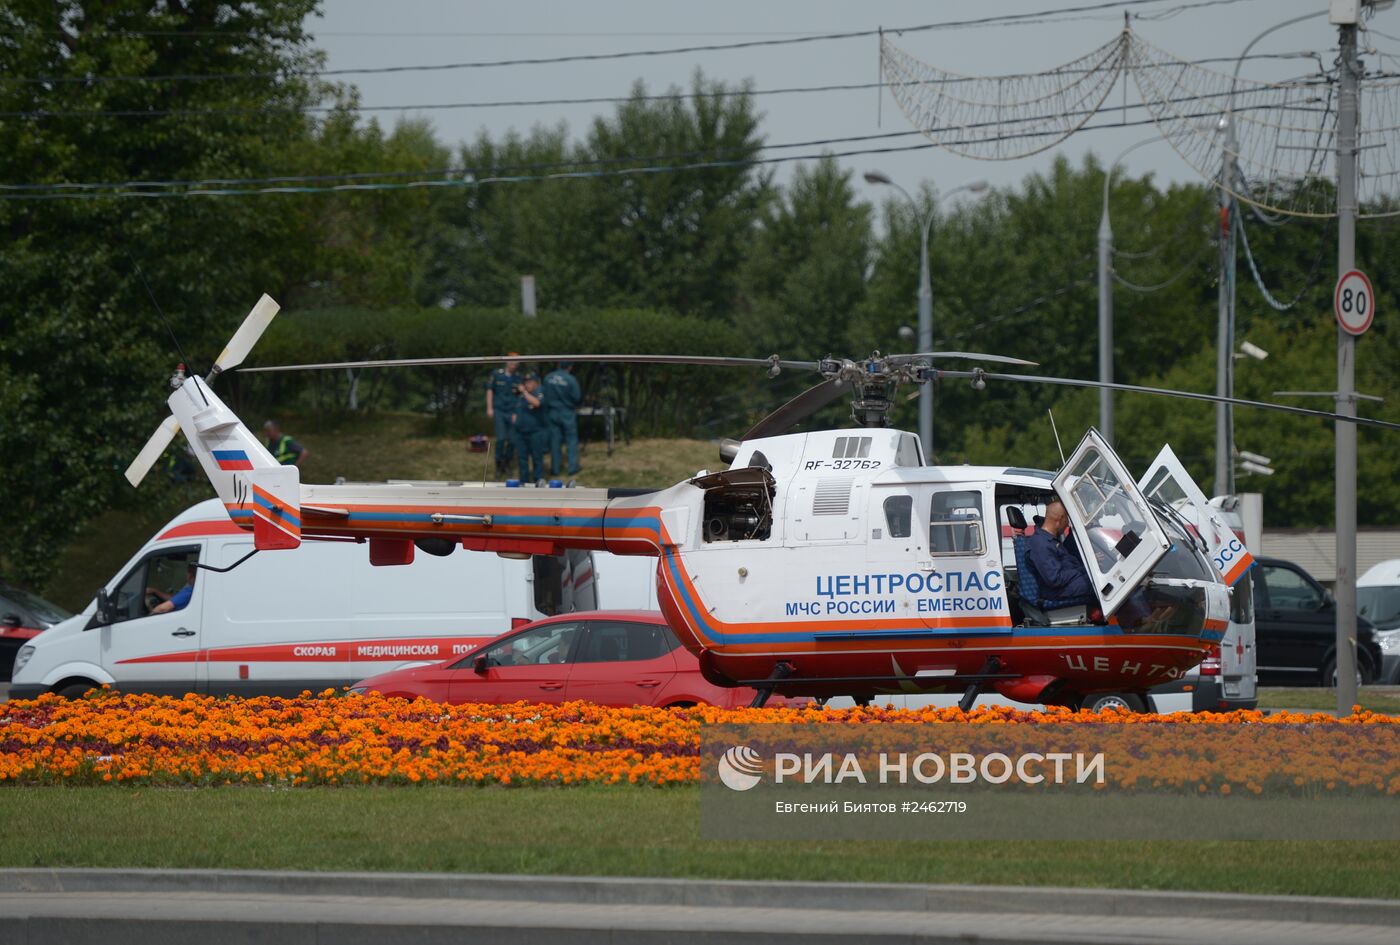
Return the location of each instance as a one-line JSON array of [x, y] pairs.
[[955, 524], [899, 515]]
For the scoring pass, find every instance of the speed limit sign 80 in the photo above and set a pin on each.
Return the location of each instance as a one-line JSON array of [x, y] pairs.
[[1354, 302]]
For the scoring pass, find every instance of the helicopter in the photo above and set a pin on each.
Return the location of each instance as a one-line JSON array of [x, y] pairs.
[[824, 563]]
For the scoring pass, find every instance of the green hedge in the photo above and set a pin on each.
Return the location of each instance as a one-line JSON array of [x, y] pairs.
[[660, 400]]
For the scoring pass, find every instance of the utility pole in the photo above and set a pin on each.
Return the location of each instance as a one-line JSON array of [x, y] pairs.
[[1106, 317], [1106, 293], [1229, 209], [1225, 322], [1345, 588], [925, 336], [925, 339]]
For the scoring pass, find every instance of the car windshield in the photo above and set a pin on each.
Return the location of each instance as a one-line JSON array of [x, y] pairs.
[[35, 604], [1380, 605]]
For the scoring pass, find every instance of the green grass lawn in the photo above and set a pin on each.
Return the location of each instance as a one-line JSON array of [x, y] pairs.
[[1375, 698], [608, 831]]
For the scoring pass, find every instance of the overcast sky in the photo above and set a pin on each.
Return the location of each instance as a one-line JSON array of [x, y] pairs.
[[373, 33]]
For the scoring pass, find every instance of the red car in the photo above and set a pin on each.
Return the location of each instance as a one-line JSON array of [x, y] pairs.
[[23, 616], [611, 657]]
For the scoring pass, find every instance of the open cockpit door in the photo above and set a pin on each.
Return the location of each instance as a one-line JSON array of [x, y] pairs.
[[1118, 532], [1168, 482]]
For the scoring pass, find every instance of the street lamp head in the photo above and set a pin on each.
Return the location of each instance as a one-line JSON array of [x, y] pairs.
[[875, 177], [976, 186], [906, 334]]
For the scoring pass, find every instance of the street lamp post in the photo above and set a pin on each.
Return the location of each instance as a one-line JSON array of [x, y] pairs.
[[1225, 302], [1106, 296], [925, 336]]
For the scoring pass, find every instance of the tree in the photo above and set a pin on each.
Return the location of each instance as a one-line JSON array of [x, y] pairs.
[[804, 281], [629, 237], [368, 248], [82, 354]]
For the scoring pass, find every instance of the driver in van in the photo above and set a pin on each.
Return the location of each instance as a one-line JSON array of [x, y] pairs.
[[1059, 571], [178, 600]]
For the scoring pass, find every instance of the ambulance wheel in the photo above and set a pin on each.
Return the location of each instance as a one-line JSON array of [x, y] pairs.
[[1128, 701], [77, 690]]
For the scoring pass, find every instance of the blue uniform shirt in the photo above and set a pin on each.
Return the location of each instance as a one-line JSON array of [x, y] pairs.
[[502, 385], [531, 419], [1058, 570], [181, 598], [564, 393]]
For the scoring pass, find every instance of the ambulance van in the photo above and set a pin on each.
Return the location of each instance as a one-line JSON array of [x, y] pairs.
[[279, 622]]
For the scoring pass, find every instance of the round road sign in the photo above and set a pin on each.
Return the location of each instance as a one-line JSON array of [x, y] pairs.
[[1354, 302]]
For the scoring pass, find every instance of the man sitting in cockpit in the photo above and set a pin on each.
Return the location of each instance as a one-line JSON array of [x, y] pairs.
[[1059, 571]]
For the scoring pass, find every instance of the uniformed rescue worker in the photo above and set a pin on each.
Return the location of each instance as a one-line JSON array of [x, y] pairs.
[[561, 407], [500, 407], [283, 448], [531, 429]]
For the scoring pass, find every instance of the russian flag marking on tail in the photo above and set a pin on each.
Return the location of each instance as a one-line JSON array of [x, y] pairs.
[[232, 460]]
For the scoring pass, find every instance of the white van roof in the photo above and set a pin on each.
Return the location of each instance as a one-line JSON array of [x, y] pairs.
[[199, 521], [1385, 574]]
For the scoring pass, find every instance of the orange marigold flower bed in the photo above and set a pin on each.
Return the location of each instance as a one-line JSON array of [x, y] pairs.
[[328, 739]]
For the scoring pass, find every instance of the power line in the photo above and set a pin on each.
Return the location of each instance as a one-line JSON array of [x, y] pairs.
[[1170, 280], [520, 103], [502, 103], [1041, 16], [65, 191], [1308, 282], [466, 171]]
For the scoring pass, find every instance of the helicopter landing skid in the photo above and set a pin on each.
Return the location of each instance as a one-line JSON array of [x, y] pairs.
[[780, 672], [974, 689], [776, 681]]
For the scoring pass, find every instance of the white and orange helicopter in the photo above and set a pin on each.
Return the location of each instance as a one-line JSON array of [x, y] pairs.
[[829, 563]]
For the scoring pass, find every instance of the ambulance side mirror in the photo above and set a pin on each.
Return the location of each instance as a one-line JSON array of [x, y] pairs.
[[103, 616], [479, 664]]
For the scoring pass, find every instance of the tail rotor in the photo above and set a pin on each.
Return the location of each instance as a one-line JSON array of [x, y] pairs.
[[233, 354]]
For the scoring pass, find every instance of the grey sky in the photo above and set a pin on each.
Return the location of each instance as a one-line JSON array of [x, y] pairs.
[[370, 33]]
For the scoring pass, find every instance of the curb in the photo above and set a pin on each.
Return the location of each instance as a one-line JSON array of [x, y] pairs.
[[702, 893]]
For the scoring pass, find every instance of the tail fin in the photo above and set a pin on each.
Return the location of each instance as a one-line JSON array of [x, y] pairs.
[[253, 486]]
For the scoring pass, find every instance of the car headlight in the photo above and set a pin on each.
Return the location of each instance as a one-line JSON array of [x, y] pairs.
[[23, 656], [1390, 643]]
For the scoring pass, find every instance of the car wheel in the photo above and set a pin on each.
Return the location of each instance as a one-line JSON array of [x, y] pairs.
[[1128, 701], [1363, 673], [77, 690]]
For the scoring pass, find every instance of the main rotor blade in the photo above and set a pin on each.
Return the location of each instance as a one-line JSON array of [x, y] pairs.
[[702, 361], [796, 410], [1167, 392], [247, 334], [962, 355], [151, 451]]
